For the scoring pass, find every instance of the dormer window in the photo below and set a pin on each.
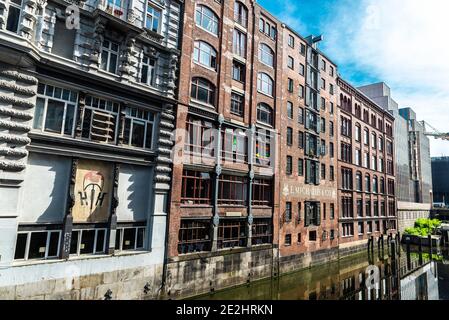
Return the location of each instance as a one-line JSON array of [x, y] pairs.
[[153, 18]]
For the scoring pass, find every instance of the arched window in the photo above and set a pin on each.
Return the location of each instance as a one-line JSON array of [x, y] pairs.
[[240, 14], [367, 183], [375, 185], [203, 91], [265, 113], [382, 185], [265, 83], [206, 19], [266, 55], [358, 181], [205, 54]]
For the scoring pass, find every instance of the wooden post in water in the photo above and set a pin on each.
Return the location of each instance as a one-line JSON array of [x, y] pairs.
[[420, 251], [409, 262], [430, 247]]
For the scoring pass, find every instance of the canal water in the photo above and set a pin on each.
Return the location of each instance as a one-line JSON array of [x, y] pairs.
[[361, 277]]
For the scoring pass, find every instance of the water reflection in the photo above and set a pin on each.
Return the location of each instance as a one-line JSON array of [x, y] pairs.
[[362, 277]]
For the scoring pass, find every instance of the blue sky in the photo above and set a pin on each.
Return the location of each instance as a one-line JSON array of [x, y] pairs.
[[400, 42]]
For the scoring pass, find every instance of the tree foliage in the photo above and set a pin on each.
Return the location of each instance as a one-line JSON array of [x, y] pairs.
[[423, 227]]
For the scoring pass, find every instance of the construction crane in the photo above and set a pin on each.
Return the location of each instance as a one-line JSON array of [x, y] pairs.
[[434, 132]]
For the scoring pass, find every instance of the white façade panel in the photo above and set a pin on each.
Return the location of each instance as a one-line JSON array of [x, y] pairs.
[[44, 193], [134, 192]]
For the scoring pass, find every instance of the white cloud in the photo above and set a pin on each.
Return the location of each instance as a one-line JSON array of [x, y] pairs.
[[402, 42]]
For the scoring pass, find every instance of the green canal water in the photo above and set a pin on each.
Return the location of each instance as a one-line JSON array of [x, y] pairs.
[[352, 279]]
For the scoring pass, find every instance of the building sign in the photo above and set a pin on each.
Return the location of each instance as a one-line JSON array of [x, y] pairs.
[[93, 188], [311, 192]]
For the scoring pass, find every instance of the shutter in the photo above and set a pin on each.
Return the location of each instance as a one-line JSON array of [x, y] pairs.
[[307, 214], [317, 173], [318, 214]]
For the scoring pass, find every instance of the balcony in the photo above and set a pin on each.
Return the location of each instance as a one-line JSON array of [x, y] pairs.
[[119, 10]]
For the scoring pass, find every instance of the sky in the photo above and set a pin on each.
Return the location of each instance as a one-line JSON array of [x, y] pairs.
[[403, 43]]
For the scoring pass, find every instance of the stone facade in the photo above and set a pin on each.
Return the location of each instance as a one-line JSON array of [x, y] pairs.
[[87, 112]]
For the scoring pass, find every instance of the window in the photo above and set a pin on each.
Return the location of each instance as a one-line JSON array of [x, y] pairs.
[[323, 125], [291, 63], [359, 208], [331, 71], [323, 84], [346, 152], [323, 103], [376, 208], [331, 149], [301, 69], [346, 127], [238, 71], [153, 18], [312, 214], [290, 85], [261, 231], [237, 104], [205, 55], [196, 188], [263, 147], [231, 233], [240, 14], [288, 240], [262, 192], [366, 137], [88, 241], [239, 43], [109, 56], [55, 110], [332, 211], [312, 236], [331, 173], [289, 166], [266, 55], [14, 10], [303, 49], [358, 181], [234, 145], [368, 208], [367, 183], [366, 160], [381, 144], [346, 179], [323, 171], [370, 227], [139, 127], [389, 147], [331, 89], [289, 110], [129, 238], [331, 107], [37, 245], [194, 236], [147, 74], [206, 19], [347, 229], [267, 28], [265, 84], [390, 170], [300, 140], [200, 138], [300, 167], [63, 39], [203, 91], [382, 185], [105, 114], [232, 190], [323, 65], [301, 91], [373, 140], [323, 147], [361, 228], [289, 136], [299, 238], [331, 128], [288, 212], [347, 207], [264, 113], [374, 162], [291, 41], [300, 115], [358, 133]]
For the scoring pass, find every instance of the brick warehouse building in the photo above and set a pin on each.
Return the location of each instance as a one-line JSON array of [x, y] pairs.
[[366, 180], [86, 115]]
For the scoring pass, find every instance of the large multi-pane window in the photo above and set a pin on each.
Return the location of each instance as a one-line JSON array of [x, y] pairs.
[[199, 139], [147, 74], [266, 55], [346, 179], [153, 18], [205, 54], [100, 119], [312, 214], [262, 231], [206, 19], [109, 56], [265, 113], [239, 43], [231, 233], [14, 13], [130, 238], [232, 190], [55, 110], [347, 210], [202, 90], [262, 192], [139, 128], [263, 147], [267, 28], [194, 236], [237, 104], [240, 14], [234, 145], [37, 244], [265, 83], [88, 241], [196, 188]]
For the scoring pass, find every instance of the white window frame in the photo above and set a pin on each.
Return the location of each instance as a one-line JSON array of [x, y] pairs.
[[122, 229], [110, 51], [239, 48], [214, 18], [69, 101], [20, 7], [267, 53], [47, 245], [261, 80], [134, 117], [80, 236], [151, 74], [151, 15], [201, 47]]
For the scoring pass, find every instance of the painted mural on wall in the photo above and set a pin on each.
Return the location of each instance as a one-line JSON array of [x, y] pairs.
[[93, 190]]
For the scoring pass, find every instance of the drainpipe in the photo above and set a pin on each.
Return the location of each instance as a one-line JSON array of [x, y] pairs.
[[218, 169]]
